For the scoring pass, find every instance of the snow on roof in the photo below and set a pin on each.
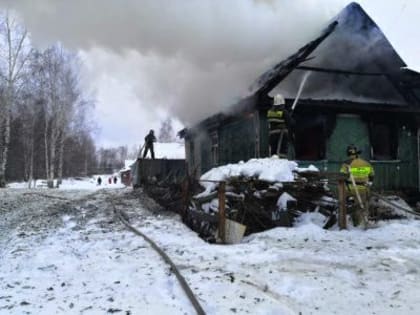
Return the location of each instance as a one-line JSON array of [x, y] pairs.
[[170, 151], [268, 169], [127, 165]]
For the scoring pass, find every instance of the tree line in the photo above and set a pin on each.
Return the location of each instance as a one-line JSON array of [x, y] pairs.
[[46, 125], [45, 130]]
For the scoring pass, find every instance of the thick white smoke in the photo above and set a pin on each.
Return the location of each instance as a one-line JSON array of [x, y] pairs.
[[190, 57]]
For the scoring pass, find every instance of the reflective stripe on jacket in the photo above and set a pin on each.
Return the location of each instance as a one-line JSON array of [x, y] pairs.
[[276, 119], [276, 114], [361, 170]]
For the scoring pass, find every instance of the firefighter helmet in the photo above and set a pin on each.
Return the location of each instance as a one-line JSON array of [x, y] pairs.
[[278, 100], [352, 150]]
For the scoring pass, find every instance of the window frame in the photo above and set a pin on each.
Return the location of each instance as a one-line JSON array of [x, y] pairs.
[[377, 140], [320, 146]]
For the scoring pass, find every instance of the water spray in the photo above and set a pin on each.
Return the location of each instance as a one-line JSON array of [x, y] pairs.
[[302, 84]]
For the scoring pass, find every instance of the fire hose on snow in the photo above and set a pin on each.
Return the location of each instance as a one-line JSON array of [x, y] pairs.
[[124, 219]]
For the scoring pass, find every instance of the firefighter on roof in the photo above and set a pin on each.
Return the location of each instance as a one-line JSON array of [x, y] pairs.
[[149, 140], [279, 121], [360, 176]]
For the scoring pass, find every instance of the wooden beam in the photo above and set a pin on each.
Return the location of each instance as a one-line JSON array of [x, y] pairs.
[[269, 79], [339, 71]]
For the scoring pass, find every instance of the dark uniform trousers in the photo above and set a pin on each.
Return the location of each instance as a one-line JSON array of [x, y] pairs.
[[149, 146], [278, 133]]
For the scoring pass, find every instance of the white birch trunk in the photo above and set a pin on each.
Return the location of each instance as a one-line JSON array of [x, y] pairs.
[[53, 146], [47, 173], [15, 64], [6, 141], [31, 162], [60, 160]]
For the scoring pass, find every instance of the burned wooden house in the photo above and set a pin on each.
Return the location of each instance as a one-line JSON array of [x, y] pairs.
[[358, 91]]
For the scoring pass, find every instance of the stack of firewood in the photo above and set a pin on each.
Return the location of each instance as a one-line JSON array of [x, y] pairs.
[[255, 203]]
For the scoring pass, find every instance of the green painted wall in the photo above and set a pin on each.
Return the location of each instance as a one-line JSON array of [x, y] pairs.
[[409, 155], [389, 175], [237, 140], [402, 173], [263, 134], [349, 129], [205, 158]]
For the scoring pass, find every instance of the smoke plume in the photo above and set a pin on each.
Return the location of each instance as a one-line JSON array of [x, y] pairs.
[[191, 58]]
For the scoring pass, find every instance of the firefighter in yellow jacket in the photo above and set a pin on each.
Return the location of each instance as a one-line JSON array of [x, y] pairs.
[[360, 176], [279, 121]]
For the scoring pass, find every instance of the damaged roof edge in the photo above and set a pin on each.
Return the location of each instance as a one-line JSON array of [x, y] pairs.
[[404, 81], [326, 104], [269, 79], [245, 104]]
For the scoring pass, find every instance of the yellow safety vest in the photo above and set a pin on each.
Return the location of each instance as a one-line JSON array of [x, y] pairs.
[[276, 120], [275, 114], [361, 170]]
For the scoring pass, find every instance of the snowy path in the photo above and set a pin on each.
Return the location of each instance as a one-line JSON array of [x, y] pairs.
[[69, 255]]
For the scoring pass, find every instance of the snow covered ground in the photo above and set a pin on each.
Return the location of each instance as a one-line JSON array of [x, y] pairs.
[[85, 183], [64, 252]]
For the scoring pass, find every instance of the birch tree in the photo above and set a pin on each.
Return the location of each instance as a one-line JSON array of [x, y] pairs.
[[27, 114], [42, 109], [70, 99], [52, 65], [32, 100], [81, 128], [63, 102], [14, 54]]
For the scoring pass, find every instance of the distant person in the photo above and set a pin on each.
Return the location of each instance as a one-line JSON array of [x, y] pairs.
[[109, 180], [115, 179], [149, 140], [99, 181]]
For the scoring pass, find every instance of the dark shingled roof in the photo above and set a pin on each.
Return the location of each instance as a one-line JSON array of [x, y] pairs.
[[352, 60], [352, 65]]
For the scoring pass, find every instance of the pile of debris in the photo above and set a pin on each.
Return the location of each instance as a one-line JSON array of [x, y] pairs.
[[260, 194], [162, 180], [391, 207], [168, 195]]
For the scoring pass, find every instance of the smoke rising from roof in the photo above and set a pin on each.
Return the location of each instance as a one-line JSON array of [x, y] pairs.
[[189, 57], [357, 44]]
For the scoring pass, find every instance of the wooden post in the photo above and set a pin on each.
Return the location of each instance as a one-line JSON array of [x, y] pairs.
[[222, 217], [342, 211], [185, 189]]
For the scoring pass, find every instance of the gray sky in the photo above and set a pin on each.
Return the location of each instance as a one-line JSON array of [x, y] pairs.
[[147, 59]]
